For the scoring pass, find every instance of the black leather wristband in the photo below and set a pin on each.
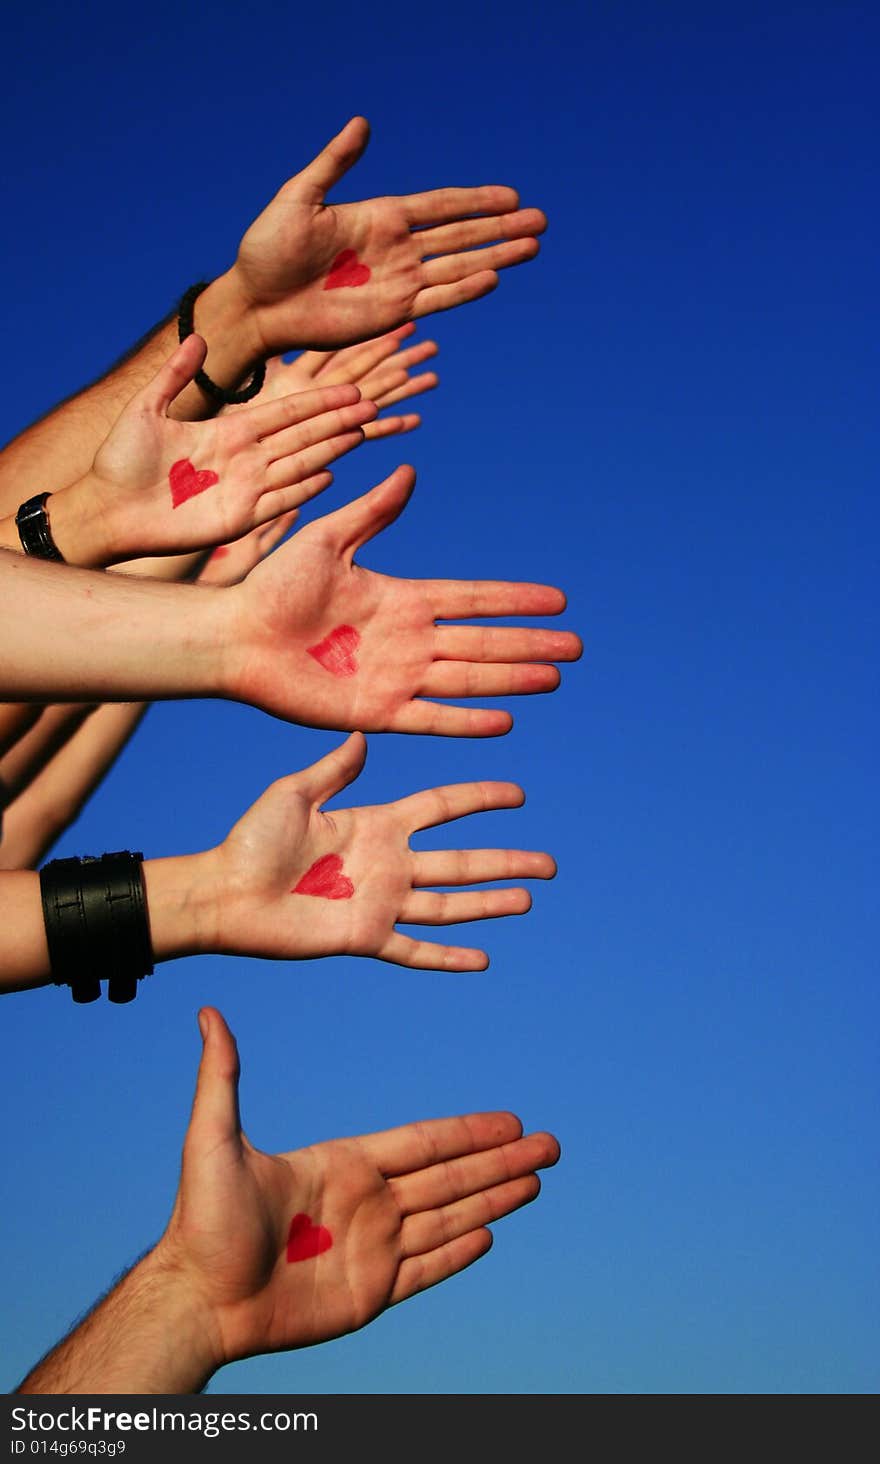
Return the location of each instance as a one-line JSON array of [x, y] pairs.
[[32, 522], [96, 924]]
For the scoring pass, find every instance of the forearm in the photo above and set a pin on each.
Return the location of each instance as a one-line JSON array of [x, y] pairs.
[[48, 802], [40, 745], [74, 635], [182, 898], [150, 1334], [61, 447]]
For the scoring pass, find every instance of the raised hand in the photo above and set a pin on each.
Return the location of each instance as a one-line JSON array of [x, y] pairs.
[[275, 1251], [161, 486], [317, 639], [296, 882], [380, 369], [324, 275]]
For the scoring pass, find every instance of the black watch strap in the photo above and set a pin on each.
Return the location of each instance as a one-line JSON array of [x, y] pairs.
[[32, 521]]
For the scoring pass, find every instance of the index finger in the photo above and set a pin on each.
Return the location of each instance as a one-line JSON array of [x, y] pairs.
[[442, 205], [414, 1146], [464, 599], [457, 800]]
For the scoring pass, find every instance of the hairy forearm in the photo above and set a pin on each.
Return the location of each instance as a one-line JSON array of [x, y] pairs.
[[61, 447], [148, 1335], [74, 635], [47, 801]]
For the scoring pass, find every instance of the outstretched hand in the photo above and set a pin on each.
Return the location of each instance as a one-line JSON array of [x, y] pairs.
[[162, 486], [315, 638], [284, 1250], [296, 881], [326, 275]]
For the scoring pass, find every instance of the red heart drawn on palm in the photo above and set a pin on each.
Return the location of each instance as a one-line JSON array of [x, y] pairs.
[[347, 269], [305, 1240], [186, 481], [325, 878], [336, 651]]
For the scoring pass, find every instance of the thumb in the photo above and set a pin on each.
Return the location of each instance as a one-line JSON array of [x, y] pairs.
[[335, 771], [215, 1116], [178, 372], [334, 161], [367, 516]]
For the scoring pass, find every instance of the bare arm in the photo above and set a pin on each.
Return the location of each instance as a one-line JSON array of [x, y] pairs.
[[55, 793]]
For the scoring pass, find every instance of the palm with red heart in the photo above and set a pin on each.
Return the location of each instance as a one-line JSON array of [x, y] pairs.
[[290, 647], [162, 486], [324, 275], [294, 881], [286, 1250]]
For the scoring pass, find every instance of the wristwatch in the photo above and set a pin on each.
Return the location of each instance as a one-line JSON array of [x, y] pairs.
[[32, 521]]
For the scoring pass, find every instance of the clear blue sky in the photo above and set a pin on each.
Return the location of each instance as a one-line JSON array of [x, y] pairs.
[[672, 414]]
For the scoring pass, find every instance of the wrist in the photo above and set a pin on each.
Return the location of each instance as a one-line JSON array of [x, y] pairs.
[[189, 1347], [81, 521], [183, 899], [226, 319]]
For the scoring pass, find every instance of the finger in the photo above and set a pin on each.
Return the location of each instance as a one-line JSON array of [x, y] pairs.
[[467, 1174], [433, 719], [354, 362], [477, 866], [428, 907], [312, 362], [505, 644], [303, 464], [361, 520], [419, 1273], [452, 267], [178, 372], [424, 955], [318, 428], [335, 771], [215, 1115], [418, 1145], [432, 300], [402, 361], [413, 387], [464, 599], [391, 426], [473, 678], [333, 161], [442, 205], [277, 503], [470, 233], [456, 800], [299, 406], [433, 1228]]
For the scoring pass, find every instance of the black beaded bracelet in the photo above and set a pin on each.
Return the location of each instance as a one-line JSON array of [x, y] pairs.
[[186, 326], [34, 531], [97, 927]]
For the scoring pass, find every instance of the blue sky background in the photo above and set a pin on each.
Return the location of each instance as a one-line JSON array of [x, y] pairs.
[[672, 414]]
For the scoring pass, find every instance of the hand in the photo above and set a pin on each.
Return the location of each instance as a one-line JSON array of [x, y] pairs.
[[160, 486], [229, 564], [285, 1250], [317, 639], [295, 882], [380, 369], [328, 275]]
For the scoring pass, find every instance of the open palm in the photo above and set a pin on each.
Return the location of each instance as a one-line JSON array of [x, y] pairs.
[[320, 640], [168, 486], [290, 1249], [296, 881], [322, 275]]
